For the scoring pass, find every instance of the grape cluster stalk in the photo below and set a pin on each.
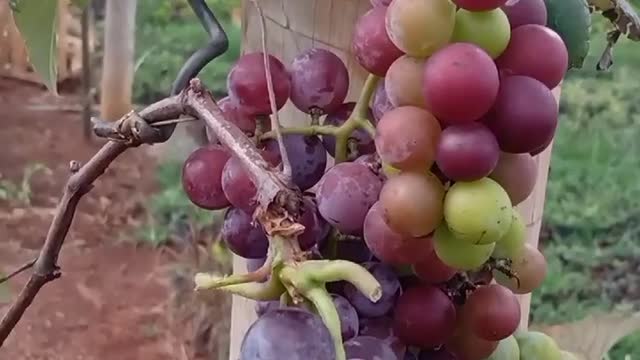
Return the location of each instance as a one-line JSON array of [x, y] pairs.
[[409, 246]]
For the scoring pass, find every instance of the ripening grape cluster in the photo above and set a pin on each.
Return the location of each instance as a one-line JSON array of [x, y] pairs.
[[463, 104]]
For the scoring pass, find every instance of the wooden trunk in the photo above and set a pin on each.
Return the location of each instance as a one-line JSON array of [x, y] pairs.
[[295, 25]]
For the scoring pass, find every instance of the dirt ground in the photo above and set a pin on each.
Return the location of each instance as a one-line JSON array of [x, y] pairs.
[[113, 299]]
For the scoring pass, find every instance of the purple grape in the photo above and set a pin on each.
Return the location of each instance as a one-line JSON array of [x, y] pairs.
[[236, 115], [319, 81], [262, 307], [242, 237], [315, 226], [237, 184], [382, 328], [368, 348], [337, 118], [202, 177], [247, 83], [523, 12], [467, 152], [288, 333], [410, 356], [307, 157], [255, 264], [391, 289], [381, 103], [371, 44], [353, 250], [349, 323], [345, 194]]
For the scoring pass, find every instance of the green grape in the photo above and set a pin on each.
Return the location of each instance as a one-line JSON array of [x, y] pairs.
[[570, 356], [420, 27], [535, 345], [508, 349], [478, 212], [511, 245], [488, 30], [389, 170], [457, 253]]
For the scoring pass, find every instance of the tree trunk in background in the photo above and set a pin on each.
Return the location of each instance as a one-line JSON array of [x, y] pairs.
[[117, 66], [296, 25]]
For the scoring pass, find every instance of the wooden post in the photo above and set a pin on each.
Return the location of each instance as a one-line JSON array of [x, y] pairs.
[[117, 67], [296, 25]]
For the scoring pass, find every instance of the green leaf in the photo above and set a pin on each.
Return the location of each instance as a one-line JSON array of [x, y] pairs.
[[37, 22]]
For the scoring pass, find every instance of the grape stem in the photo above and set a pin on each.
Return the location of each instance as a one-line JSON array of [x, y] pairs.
[[324, 271], [324, 306]]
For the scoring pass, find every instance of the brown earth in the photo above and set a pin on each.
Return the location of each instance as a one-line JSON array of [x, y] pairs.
[[113, 299]]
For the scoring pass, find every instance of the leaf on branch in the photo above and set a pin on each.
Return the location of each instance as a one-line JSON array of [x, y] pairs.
[[37, 22], [621, 14], [594, 336]]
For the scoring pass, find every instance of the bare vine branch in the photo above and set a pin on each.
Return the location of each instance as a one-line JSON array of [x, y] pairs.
[[26, 266]]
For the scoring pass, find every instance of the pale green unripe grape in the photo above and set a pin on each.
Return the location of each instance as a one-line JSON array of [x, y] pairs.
[[478, 212], [389, 170], [535, 345], [459, 254], [489, 30], [507, 349], [511, 245]]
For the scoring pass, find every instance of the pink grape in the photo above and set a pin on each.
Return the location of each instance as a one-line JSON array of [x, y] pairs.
[[247, 83], [339, 117], [380, 2], [404, 81], [467, 152], [523, 12], [524, 116], [319, 81], [390, 246], [432, 270], [381, 103], [461, 83], [345, 194], [235, 114], [202, 177], [479, 5], [371, 45], [522, 56]]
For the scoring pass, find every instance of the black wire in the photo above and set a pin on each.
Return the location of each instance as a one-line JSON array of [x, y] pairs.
[[218, 45]]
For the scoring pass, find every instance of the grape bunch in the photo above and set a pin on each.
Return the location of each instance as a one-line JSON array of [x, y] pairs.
[[416, 184]]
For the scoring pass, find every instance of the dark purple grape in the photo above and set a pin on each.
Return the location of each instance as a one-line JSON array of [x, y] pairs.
[[381, 103], [319, 81], [262, 307], [382, 328], [237, 184], [523, 12], [255, 264], [307, 157], [440, 354], [525, 115], [467, 152], [288, 333], [315, 226], [349, 323], [391, 289], [345, 194], [242, 237], [202, 177], [337, 118], [410, 356], [247, 83], [371, 44], [368, 348]]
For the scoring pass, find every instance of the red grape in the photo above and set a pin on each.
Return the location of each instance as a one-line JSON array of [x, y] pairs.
[[368, 348], [432, 270], [337, 118], [522, 56], [388, 245], [238, 186], [523, 12], [404, 82], [541, 148], [247, 83], [243, 237], [479, 5], [467, 152], [407, 138], [307, 157], [467, 346], [424, 316], [524, 116], [345, 194], [461, 83], [235, 114], [493, 312], [381, 103], [390, 290], [441, 354], [371, 45], [319, 80], [530, 269], [202, 177], [517, 174]]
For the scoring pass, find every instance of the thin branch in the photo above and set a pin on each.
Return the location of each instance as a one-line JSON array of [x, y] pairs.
[[275, 121], [18, 271]]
